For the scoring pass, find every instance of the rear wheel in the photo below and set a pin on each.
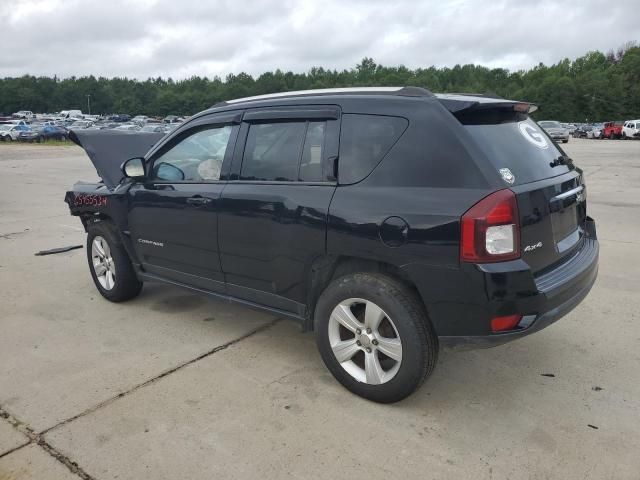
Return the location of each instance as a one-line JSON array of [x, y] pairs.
[[109, 264], [374, 336]]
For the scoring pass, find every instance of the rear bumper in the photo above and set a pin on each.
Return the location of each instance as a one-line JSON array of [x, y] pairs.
[[534, 322], [491, 290]]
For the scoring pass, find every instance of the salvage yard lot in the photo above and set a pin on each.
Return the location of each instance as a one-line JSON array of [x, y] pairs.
[[174, 385]]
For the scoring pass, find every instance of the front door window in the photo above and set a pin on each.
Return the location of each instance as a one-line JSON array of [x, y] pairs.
[[196, 158]]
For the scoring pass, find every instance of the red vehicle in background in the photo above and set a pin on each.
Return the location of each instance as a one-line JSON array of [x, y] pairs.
[[612, 130]]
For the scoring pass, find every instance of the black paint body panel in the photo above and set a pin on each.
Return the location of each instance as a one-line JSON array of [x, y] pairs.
[[266, 244]]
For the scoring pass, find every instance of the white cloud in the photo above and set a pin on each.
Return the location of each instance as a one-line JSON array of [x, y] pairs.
[[171, 38]]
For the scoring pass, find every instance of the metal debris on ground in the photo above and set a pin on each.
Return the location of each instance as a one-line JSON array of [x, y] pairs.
[[57, 250]]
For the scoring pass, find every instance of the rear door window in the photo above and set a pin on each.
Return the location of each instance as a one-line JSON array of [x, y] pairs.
[[284, 152], [513, 141], [364, 141]]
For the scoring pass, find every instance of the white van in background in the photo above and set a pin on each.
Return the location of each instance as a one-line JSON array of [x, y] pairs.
[[71, 114], [26, 114]]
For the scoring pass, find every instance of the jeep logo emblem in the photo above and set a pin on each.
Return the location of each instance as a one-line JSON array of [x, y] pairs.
[[507, 176], [533, 135]]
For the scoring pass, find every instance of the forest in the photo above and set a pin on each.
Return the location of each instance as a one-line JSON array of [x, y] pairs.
[[594, 87]]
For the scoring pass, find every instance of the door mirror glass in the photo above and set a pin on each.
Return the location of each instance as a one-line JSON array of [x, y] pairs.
[[168, 172], [134, 168]]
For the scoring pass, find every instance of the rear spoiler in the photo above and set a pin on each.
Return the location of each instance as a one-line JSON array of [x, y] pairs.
[[458, 102]]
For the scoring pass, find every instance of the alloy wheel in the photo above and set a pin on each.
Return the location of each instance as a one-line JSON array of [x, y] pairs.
[[102, 262], [365, 341]]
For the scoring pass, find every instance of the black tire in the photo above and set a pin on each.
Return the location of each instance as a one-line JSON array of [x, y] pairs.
[[126, 284], [418, 339], [565, 141]]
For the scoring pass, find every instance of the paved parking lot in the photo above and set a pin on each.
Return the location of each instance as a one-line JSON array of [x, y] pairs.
[[173, 385]]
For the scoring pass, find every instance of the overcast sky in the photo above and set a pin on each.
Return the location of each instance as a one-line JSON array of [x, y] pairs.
[[181, 38]]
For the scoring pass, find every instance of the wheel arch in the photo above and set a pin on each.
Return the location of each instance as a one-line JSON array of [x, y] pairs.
[[122, 237], [327, 268]]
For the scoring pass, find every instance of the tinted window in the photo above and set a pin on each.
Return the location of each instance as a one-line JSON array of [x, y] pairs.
[[195, 158], [313, 152], [516, 142], [284, 151], [364, 141]]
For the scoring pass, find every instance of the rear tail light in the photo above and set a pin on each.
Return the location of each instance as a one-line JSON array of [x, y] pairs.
[[490, 230], [508, 322]]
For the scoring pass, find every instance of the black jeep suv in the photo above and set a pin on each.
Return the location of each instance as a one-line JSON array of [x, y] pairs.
[[391, 221]]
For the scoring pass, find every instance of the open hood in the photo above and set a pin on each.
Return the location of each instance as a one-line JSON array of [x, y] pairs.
[[108, 149]]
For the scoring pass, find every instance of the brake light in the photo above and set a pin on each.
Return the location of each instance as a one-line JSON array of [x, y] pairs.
[[490, 230], [508, 322]]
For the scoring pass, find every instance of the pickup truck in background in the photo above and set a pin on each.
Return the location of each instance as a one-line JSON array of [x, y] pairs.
[[612, 130]]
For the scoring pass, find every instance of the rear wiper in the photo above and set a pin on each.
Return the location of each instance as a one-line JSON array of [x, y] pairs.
[[561, 160]]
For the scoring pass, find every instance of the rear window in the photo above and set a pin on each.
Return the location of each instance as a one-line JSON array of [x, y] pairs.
[[514, 141], [364, 141]]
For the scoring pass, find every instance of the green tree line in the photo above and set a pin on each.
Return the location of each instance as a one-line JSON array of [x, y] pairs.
[[597, 86]]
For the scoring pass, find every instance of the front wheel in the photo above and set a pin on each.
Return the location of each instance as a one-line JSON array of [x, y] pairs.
[[374, 336], [109, 264]]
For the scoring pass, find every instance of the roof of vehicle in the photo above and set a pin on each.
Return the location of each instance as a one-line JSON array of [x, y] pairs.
[[398, 91], [454, 102]]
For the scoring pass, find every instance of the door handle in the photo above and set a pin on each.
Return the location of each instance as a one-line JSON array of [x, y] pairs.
[[198, 200]]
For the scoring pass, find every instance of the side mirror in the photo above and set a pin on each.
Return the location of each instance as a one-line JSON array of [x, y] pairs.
[[168, 173], [134, 168]]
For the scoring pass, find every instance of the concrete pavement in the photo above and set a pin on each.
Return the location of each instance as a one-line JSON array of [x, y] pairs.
[[173, 385]]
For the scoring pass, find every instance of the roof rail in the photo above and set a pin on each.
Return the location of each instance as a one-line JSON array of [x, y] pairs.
[[400, 91]]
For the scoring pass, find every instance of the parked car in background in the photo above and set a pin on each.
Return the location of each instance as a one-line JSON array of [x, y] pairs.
[[119, 117], [631, 129], [155, 128], [80, 124], [13, 121], [555, 130], [613, 130], [596, 131], [26, 114], [10, 132], [581, 131], [172, 119], [129, 126], [41, 133], [140, 120]]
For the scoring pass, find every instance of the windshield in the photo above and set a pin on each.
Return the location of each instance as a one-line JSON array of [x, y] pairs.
[[548, 124], [515, 142]]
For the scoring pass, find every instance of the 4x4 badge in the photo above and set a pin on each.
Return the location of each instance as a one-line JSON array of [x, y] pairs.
[[507, 176]]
